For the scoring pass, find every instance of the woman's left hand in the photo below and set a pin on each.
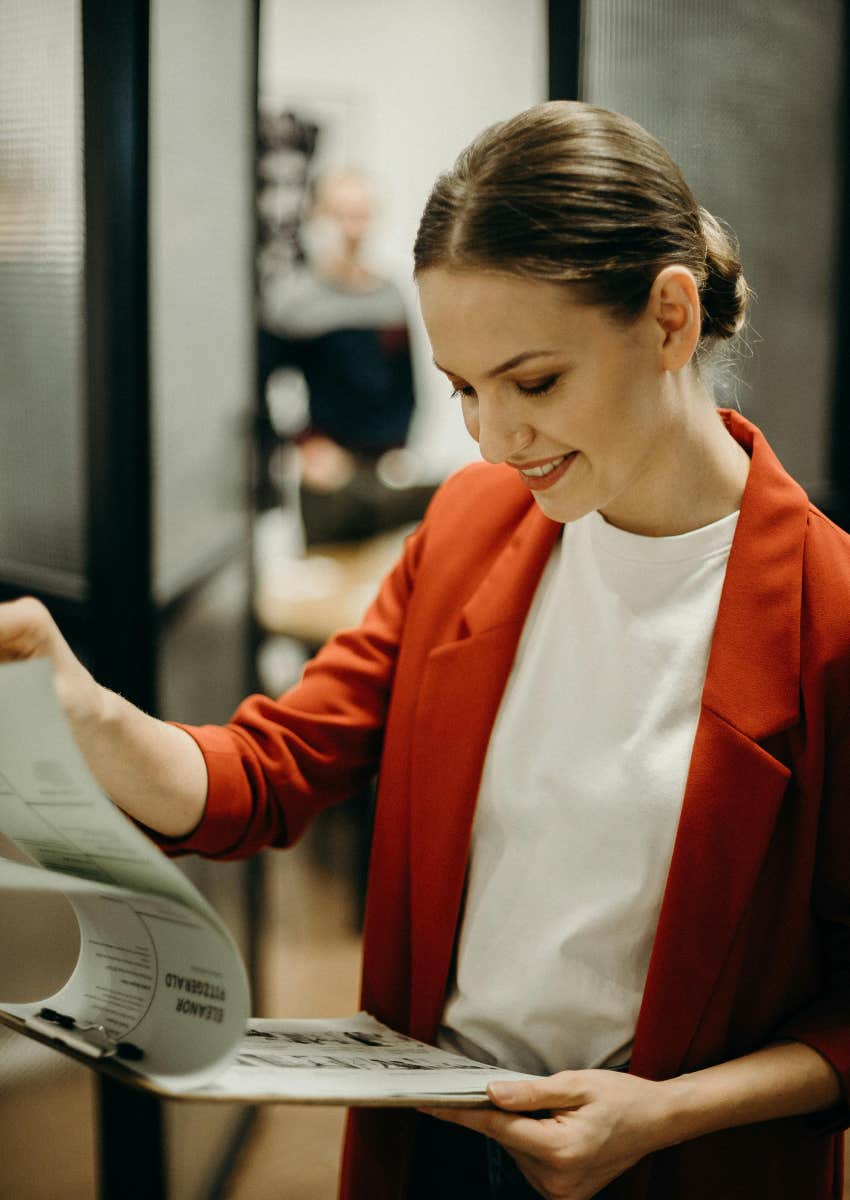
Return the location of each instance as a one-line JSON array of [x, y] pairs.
[[600, 1123]]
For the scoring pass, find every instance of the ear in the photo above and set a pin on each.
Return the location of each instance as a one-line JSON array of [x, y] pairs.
[[675, 307]]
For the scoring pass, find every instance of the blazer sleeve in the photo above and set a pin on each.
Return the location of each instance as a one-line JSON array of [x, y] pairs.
[[280, 761], [825, 1023]]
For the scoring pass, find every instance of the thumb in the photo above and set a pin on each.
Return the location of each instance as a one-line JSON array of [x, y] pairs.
[[25, 628], [549, 1091]]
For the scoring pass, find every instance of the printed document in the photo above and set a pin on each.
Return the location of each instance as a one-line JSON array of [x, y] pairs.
[[159, 987]]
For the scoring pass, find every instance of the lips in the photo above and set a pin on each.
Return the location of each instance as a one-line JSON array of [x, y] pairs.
[[542, 475]]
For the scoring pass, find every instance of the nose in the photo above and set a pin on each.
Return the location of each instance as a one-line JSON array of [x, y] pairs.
[[501, 433]]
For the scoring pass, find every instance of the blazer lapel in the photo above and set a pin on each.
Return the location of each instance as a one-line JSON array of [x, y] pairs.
[[731, 803], [459, 697], [734, 787]]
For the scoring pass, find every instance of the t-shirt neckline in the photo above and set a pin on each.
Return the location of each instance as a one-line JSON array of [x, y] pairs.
[[704, 542]]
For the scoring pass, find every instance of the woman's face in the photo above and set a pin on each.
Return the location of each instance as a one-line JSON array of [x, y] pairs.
[[570, 398]]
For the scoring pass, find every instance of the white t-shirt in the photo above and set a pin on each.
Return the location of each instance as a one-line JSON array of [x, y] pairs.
[[580, 798]]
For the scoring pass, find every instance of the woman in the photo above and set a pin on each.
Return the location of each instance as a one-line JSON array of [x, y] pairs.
[[605, 687]]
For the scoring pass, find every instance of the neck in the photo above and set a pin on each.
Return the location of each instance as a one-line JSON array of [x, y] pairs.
[[696, 477]]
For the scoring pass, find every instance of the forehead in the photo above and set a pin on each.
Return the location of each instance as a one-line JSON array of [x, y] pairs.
[[475, 318]]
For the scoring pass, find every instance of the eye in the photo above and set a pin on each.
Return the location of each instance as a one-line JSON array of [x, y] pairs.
[[465, 391], [539, 389]]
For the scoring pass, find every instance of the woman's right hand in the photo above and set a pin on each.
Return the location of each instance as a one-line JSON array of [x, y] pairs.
[[27, 630]]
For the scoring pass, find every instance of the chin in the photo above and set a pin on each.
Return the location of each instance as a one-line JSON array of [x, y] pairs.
[[563, 513], [562, 509]]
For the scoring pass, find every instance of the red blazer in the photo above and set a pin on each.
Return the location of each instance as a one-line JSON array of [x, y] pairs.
[[753, 940]]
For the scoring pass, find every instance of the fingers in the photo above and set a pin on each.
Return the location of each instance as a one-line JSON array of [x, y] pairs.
[[479, 1119], [564, 1090], [514, 1132], [529, 1135], [571, 1151]]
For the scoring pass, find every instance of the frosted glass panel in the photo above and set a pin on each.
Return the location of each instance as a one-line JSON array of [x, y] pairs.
[[202, 100], [745, 96], [42, 482]]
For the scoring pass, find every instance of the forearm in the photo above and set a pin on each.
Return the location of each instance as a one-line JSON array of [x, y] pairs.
[[784, 1080], [154, 771]]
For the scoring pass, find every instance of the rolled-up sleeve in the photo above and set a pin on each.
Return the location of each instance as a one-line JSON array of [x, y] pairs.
[[278, 762]]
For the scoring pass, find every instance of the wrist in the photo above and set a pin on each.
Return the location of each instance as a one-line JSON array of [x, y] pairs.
[[677, 1112], [783, 1080], [88, 705]]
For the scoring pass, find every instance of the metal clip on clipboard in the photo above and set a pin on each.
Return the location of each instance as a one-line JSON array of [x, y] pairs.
[[92, 1040]]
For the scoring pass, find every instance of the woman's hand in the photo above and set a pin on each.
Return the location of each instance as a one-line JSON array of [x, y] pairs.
[[27, 631], [154, 771], [600, 1123]]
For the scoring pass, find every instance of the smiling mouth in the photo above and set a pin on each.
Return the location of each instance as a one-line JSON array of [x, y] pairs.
[[545, 469], [545, 475]]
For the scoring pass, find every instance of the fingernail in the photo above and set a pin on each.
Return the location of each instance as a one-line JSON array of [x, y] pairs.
[[503, 1092]]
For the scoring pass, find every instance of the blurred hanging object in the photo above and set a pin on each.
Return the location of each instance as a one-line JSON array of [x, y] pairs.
[[286, 144]]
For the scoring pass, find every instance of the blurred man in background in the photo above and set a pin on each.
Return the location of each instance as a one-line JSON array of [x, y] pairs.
[[345, 328]]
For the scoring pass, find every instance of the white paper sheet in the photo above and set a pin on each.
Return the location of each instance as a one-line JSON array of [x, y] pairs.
[[156, 967], [348, 1060], [52, 808]]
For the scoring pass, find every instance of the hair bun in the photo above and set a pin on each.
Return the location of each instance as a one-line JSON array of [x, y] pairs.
[[725, 293]]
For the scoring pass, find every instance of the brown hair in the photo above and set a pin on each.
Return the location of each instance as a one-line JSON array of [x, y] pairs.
[[566, 192]]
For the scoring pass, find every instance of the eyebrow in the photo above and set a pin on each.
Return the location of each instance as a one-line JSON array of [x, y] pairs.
[[506, 366]]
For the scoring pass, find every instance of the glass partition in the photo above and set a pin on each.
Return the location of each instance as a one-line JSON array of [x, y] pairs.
[[42, 434]]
